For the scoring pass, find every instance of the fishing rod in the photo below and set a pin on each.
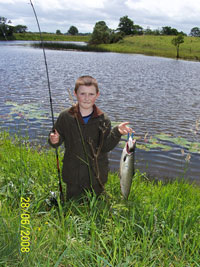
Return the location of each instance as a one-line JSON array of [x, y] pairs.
[[51, 102]]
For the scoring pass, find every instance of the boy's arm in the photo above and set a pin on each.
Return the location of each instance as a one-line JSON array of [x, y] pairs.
[[112, 137]]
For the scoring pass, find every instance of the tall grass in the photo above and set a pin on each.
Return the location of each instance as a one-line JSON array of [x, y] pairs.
[[158, 226]]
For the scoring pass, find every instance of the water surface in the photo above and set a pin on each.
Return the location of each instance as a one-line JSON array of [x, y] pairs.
[[157, 95]]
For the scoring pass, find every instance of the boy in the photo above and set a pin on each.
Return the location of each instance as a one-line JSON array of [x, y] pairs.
[[87, 136]]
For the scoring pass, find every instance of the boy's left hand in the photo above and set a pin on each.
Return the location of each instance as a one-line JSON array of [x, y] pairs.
[[124, 129]]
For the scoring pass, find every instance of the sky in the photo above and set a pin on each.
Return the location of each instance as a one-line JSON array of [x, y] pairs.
[[61, 14]]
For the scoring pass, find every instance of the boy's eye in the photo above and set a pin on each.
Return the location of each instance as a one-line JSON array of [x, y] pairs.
[[83, 94]]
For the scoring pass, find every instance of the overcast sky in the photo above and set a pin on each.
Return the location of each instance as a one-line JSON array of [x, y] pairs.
[[61, 14]]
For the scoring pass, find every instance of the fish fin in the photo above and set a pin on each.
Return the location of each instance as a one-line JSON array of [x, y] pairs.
[[124, 159]]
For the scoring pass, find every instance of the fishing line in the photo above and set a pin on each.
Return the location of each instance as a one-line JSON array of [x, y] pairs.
[[132, 135], [50, 99]]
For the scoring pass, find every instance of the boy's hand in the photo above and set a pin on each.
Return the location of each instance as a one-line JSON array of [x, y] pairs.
[[124, 129], [54, 137]]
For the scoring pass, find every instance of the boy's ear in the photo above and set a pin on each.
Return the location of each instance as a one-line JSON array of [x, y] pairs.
[[75, 93]]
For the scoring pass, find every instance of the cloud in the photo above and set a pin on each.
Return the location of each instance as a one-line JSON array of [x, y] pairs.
[[61, 14], [171, 8], [48, 5], [181, 14]]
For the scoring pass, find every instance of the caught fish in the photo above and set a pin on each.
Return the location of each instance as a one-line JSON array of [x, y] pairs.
[[127, 166]]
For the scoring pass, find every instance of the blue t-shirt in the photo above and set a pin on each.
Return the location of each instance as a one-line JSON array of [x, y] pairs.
[[86, 118]]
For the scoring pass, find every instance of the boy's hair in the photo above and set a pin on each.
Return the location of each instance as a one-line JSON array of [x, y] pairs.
[[87, 81]]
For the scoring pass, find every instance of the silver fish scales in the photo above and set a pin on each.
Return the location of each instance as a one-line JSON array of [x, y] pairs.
[[127, 166]]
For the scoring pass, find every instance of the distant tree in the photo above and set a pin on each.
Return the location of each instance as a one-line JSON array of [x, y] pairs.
[[5, 29], [183, 33], [101, 33], [20, 29], [176, 42], [73, 30], [137, 29], [116, 36], [58, 32], [126, 25], [195, 32], [167, 30], [148, 31], [157, 32], [3, 20]]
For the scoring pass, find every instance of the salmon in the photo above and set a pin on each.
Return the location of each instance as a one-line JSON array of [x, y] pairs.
[[127, 166]]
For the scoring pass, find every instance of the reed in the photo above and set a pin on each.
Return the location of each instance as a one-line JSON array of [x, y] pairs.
[[158, 226], [65, 46]]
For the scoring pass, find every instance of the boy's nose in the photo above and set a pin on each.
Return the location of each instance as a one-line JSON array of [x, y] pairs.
[[86, 97]]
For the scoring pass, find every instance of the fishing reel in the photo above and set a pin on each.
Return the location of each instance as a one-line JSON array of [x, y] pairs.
[[52, 200]]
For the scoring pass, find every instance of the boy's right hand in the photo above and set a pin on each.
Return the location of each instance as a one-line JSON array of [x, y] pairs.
[[54, 137]]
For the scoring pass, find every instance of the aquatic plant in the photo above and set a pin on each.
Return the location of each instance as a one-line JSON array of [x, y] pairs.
[[156, 142], [70, 46]]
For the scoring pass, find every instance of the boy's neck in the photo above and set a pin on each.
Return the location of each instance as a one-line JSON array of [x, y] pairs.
[[86, 112]]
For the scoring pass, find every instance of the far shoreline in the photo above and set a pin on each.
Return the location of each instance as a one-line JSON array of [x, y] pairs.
[[149, 45]]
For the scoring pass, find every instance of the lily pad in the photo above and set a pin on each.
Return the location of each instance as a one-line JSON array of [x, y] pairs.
[[194, 147], [27, 111], [153, 143], [143, 147], [176, 140], [158, 145], [181, 142], [153, 140], [164, 137]]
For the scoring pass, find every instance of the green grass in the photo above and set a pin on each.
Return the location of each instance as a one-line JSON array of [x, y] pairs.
[[157, 46], [158, 226], [50, 37]]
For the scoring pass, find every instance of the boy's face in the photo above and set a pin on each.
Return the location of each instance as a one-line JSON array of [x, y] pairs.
[[86, 96]]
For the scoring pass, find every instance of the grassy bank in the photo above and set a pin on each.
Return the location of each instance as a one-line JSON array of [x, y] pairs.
[[158, 226], [157, 46], [50, 37]]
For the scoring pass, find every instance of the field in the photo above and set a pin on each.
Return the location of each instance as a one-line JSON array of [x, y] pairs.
[[157, 46], [158, 226], [50, 37]]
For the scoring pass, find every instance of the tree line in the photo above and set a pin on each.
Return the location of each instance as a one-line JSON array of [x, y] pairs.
[[7, 30], [101, 32]]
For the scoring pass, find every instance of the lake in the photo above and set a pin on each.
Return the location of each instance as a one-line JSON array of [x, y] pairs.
[[160, 98]]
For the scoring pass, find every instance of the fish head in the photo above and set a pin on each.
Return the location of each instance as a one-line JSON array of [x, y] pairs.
[[130, 145]]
